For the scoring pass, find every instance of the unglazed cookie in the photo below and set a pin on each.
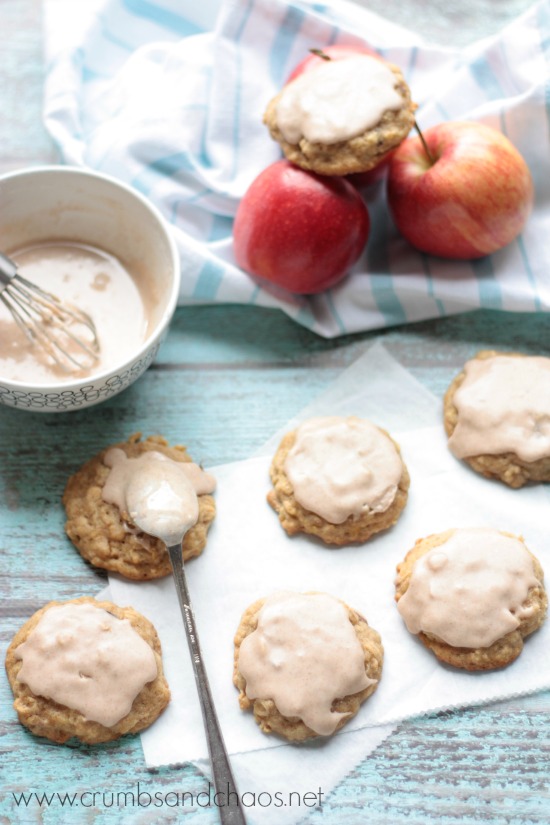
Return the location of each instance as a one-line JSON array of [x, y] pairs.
[[472, 596], [343, 116], [497, 416], [304, 663], [86, 669], [339, 478], [105, 536]]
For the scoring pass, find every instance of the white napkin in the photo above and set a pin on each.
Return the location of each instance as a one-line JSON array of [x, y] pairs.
[[147, 95], [249, 556]]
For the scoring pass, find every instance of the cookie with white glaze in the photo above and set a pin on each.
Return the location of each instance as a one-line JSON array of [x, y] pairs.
[[344, 148], [325, 705], [472, 596], [497, 416], [44, 716], [342, 512], [106, 537]]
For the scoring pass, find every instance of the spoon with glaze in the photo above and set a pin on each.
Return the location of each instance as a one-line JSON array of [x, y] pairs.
[[162, 501]]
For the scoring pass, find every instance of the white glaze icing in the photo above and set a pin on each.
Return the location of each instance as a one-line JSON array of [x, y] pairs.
[[83, 657], [92, 280], [303, 655], [469, 591], [503, 406], [158, 494], [343, 466], [337, 100]]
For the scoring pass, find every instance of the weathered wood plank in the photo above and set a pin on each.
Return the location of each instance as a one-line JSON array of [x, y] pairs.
[[226, 378], [224, 400]]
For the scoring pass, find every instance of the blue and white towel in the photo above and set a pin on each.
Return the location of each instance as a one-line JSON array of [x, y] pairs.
[[159, 95]]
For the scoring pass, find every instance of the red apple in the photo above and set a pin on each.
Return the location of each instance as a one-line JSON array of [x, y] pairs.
[[299, 230], [470, 198], [339, 51]]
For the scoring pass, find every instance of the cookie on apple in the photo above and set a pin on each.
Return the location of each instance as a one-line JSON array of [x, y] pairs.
[[341, 116]]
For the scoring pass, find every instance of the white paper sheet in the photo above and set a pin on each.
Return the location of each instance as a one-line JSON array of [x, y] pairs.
[[249, 556]]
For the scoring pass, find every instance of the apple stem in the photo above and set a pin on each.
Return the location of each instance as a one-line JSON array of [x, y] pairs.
[[320, 53], [424, 144]]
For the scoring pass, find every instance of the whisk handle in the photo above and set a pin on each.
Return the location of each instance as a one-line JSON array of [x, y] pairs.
[[7, 270]]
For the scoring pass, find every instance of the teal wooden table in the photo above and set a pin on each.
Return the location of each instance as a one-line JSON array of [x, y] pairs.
[[226, 378]]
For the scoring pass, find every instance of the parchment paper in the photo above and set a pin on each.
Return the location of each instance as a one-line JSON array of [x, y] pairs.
[[249, 556]]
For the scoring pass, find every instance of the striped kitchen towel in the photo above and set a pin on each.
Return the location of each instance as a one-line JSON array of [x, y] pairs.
[[169, 96]]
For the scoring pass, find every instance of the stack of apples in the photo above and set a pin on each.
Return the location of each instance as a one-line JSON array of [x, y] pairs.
[[461, 190]]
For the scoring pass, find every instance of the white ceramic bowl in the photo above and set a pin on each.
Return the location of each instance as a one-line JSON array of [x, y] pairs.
[[66, 203]]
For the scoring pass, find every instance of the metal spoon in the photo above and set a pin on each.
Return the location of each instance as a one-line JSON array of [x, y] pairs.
[[162, 501], [222, 775]]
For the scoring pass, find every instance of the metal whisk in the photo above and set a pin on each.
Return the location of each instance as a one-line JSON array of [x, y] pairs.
[[62, 331]]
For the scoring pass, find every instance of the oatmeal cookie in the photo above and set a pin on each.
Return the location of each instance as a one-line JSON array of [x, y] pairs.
[[341, 479], [314, 662], [471, 596], [84, 662], [332, 119], [106, 537], [496, 416]]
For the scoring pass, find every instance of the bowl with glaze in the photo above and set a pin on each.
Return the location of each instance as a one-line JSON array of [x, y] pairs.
[[69, 205]]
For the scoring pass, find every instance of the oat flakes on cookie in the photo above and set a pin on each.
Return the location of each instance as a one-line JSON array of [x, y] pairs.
[[86, 669], [304, 664], [339, 478], [472, 596], [342, 116], [101, 529], [497, 416]]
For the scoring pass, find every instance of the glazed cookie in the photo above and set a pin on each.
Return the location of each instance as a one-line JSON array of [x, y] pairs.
[[103, 532], [86, 669], [472, 596], [343, 116], [497, 416], [339, 478], [304, 663]]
